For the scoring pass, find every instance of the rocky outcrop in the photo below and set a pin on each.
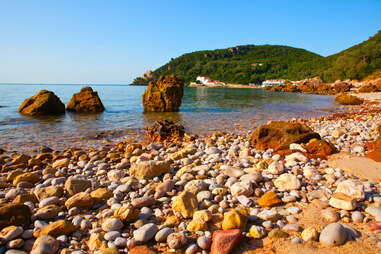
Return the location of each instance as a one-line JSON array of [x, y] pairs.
[[165, 130], [86, 101], [347, 99], [43, 103], [163, 95], [279, 135]]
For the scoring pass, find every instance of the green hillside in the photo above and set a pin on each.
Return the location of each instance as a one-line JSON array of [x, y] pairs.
[[237, 64]]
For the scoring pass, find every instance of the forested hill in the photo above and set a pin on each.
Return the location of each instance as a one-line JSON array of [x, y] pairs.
[[253, 64]]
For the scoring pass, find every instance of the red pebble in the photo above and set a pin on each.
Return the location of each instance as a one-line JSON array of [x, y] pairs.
[[224, 241]]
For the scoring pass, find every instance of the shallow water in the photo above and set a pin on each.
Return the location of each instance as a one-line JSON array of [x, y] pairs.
[[203, 110]]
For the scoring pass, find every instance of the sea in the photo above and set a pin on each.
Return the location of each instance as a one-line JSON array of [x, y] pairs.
[[203, 111]]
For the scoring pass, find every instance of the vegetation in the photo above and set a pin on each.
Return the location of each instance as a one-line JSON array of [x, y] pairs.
[[237, 64]]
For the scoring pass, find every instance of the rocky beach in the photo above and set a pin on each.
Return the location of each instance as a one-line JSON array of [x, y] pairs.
[[303, 186]]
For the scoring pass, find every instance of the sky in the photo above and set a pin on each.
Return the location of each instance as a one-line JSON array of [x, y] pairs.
[[112, 42]]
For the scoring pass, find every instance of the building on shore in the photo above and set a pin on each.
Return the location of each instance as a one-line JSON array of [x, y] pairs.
[[273, 82], [206, 81]]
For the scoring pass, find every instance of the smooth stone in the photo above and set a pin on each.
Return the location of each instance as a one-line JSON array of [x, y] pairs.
[[112, 224], [145, 233], [162, 234], [204, 242], [333, 234], [45, 245]]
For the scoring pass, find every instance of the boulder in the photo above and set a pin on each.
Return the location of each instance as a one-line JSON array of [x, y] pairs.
[[164, 95], [347, 99], [15, 214], [86, 101], [279, 135], [149, 169], [165, 130], [320, 149], [43, 103]]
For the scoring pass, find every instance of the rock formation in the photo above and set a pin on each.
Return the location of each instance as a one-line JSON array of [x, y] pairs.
[[279, 135], [165, 130], [164, 95], [86, 101], [43, 103]]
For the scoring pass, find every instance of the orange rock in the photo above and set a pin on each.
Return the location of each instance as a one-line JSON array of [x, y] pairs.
[[143, 249], [320, 149], [269, 199], [86, 101], [43, 103], [224, 241]]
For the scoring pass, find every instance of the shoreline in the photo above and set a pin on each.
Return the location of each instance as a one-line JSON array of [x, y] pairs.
[[108, 175]]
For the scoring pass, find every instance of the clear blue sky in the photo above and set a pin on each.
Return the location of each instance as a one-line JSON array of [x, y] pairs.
[[113, 41]]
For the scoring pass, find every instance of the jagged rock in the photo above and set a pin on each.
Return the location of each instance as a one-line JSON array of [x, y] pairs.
[[165, 130], [43, 103], [279, 135], [86, 101], [164, 95]]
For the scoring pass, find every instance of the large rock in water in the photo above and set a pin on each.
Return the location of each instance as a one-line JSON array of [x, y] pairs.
[[347, 99], [164, 95], [43, 103], [279, 135], [86, 101]]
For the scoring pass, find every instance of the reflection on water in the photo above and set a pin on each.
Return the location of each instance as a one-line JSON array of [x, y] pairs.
[[203, 110]]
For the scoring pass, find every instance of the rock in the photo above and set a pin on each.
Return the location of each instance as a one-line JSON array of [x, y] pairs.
[[144, 201], [233, 172], [276, 168], [320, 149], [310, 234], [279, 135], [101, 194], [347, 99], [235, 219], [85, 101], [111, 250], [15, 214], [269, 199], [287, 182], [165, 131], [330, 215], [47, 212], [96, 242], [352, 188], [268, 215], [357, 217], [292, 228], [197, 225], [112, 224], [374, 211], [176, 240], [55, 229], [126, 214], [75, 185], [26, 177], [142, 249], [42, 103], [162, 235], [145, 233], [45, 245], [204, 242], [257, 232], [277, 233], [333, 234], [224, 241], [182, 153], [164, 95], [186, 204], [80, 200], [195, 186], [241, 188], [163, 188], [11, 232], [149, 169], [50, 191], [341, 201]]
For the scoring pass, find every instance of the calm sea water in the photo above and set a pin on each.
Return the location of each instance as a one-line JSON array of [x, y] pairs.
[[203, 110]]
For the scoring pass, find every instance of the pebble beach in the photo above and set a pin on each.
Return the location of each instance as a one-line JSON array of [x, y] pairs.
[[205, 194]]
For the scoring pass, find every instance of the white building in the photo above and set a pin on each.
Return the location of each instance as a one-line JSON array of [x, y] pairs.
[[272, 82], [203, 79]]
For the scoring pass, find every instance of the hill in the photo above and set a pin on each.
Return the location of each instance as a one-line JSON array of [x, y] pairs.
[[253, 63]]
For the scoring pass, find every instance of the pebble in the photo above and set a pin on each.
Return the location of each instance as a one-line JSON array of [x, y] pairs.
[[145, 233], [333, 234]]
